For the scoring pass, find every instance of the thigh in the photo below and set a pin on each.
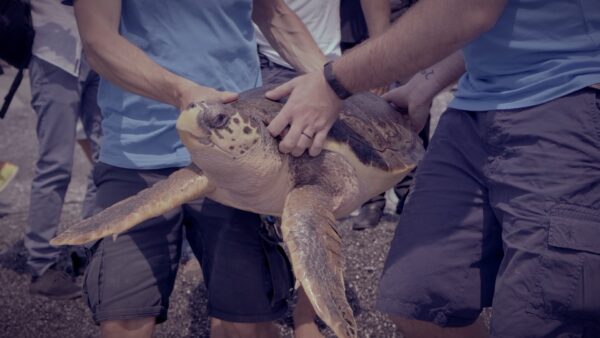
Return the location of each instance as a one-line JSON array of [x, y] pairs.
[[545, 181], [132, 276], [445, 253], [55, 100], [248, 278]]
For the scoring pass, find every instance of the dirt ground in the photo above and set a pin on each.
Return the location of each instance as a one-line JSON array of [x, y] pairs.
[[23, 315]]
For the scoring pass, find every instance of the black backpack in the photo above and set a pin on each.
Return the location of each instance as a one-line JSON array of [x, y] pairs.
[[16, 40]]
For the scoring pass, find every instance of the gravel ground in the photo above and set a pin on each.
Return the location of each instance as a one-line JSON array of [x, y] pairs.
[[24, 315]]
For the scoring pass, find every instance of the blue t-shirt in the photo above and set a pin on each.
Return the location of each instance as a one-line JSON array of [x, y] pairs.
[[210, 42], [539, 50]]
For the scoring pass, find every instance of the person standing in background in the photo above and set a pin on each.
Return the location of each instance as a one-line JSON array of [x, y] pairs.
[[322, 19], [64, 90]]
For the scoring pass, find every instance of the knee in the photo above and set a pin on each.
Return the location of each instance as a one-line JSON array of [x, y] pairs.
[[408, 327], [411, 328], [142, 327], [224, 329]]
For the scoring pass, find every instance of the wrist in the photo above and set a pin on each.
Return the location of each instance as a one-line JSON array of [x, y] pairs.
[[425, 86], [336, 86], [182, 88]]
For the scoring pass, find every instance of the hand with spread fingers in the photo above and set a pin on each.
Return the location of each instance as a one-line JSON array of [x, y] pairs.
[[310, 111]]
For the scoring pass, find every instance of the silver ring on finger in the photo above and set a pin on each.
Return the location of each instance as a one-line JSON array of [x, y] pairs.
[[307, 135]]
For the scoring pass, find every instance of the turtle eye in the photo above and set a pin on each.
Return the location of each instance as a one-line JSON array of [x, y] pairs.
[[191, 106], [219, 121]]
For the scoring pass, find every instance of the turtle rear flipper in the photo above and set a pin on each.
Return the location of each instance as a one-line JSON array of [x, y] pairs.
[[308, 228], [183, 185]]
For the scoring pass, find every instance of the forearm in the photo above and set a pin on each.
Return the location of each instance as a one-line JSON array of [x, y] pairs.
[[288, 36], [426, 34], [118, 60], [129, 68], [377, 16], [436, 78]]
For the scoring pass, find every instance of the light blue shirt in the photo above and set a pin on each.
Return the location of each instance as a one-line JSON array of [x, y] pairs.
[[210, 42], [538, 51]]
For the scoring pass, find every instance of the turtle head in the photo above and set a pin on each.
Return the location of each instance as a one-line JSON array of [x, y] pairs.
[[222, 126]]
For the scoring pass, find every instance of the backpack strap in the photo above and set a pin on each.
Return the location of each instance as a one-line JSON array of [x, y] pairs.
[[11, 93]]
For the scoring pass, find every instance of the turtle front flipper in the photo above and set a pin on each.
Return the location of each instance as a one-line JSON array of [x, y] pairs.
[[308, 228], [183, 185]]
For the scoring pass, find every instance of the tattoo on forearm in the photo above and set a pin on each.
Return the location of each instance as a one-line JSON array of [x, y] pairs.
[[427, 73]]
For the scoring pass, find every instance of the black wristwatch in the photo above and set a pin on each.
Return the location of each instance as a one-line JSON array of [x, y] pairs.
[[335, 85]]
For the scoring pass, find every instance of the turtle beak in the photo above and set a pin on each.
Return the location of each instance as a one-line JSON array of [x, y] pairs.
[[190, 123]]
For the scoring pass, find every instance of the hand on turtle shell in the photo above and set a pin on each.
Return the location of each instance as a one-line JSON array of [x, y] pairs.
[[310, 111], [191, 92], [409, 97]]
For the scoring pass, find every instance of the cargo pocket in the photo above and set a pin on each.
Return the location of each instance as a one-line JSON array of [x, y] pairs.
[[92, 279], [282, 278], [595, 114], [568, 281]]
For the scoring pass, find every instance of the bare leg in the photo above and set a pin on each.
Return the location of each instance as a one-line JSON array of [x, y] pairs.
[[222, 329], [304, 318], [421, 329], [133, 328]]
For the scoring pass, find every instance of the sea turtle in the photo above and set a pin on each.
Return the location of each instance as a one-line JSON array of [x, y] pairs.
[[236, 162]]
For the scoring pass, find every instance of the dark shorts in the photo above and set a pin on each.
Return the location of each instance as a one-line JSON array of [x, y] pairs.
[[504, 212], [248, 279], [274, 74]]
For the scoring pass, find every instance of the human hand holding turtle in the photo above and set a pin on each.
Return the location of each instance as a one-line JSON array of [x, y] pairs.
[[189, 92], [417, 102], [310, 111]]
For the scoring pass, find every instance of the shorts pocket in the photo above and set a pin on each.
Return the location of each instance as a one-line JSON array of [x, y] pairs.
[[91, 278], [595, 113], [568, 282], [280, 270]]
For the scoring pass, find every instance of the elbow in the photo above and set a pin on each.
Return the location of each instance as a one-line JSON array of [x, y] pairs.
[[91, 56], [485, 15], [92, 47]]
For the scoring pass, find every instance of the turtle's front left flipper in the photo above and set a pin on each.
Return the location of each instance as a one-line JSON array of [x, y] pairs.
[[308, 228], [183, 185]]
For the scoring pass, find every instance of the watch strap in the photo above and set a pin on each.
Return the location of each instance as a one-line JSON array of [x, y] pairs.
[[335, 85]]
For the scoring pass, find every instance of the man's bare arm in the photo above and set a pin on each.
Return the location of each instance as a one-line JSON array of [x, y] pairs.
[[417, 94], [288, 35], [127, 66], [377, 16], [432, 80], [426, 34]]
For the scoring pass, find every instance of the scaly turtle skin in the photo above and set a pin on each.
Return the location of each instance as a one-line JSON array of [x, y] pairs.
[[236, 162]]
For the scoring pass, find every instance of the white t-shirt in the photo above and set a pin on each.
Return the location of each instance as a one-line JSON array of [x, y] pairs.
[[321, 17]]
